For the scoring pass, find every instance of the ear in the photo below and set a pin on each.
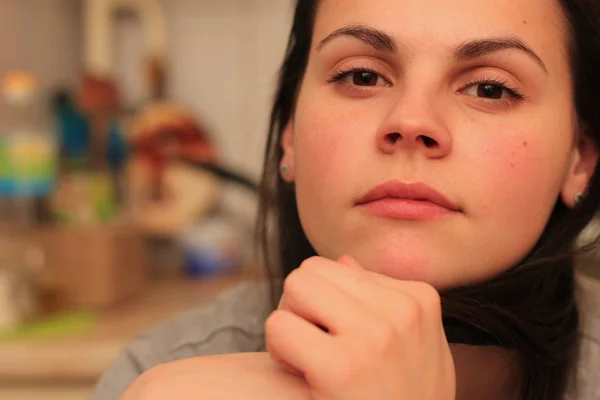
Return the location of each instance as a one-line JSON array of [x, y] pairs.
[[286, 166], [581, 169]]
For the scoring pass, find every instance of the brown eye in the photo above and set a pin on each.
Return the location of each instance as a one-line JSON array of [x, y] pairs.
[[365, 78], [361, 77], [490, 91]]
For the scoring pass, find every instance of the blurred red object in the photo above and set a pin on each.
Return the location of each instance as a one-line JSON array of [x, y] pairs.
[[166, 133], [99, 99], [98, 95]]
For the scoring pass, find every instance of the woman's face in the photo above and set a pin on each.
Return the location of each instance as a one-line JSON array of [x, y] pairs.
[[471, 98]]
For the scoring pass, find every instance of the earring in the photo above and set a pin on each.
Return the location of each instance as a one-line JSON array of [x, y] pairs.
[[285, 169], [578, 198]]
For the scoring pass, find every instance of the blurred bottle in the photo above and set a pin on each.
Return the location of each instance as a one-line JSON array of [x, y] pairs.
[[28, 156], [27, 176]]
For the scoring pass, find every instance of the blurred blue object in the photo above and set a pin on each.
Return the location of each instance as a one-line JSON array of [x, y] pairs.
[[75, 135], [117, 147], [213, 246], [205, 263]]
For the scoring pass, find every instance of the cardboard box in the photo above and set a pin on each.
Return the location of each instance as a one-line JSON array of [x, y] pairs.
[[95, 266]]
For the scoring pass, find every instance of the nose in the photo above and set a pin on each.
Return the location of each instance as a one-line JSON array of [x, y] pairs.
[[414, 126]]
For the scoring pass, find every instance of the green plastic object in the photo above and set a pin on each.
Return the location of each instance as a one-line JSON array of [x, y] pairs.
[[61, 326]]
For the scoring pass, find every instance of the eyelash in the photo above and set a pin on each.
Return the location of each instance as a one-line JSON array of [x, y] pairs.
[[338, 76], [515, 93]]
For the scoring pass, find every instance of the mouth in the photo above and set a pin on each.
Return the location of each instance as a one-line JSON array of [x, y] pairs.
[[414, 201]]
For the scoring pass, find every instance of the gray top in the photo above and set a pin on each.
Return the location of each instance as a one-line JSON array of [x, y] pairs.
[[234, 324]]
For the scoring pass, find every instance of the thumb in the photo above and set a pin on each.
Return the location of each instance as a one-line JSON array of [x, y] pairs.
[[350, 262]]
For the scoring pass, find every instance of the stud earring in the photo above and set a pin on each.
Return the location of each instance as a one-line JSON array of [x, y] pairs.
[[285, 169], [578, 198]]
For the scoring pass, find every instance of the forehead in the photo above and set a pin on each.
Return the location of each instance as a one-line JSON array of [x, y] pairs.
[[443, 24]]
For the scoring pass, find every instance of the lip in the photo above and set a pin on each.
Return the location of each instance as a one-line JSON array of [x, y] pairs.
[[396, 199]]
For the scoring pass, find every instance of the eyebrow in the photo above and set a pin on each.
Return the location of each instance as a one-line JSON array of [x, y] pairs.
[[479, 48], [375, 38], [466, 51]]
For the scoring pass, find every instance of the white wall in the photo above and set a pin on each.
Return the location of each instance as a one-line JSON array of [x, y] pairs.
[[223, 59], [43, 36], [129, 57], [99, 24]]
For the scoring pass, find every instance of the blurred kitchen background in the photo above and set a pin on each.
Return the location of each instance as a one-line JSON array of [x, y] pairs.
[[131, 142]]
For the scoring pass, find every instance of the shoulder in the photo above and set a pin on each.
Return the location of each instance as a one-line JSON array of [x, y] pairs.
[[589, 306], [588, 373], [254, 375], [239, 312], [233, 323]]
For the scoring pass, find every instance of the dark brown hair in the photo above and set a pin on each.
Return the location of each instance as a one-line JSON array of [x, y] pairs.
[[532, 307]]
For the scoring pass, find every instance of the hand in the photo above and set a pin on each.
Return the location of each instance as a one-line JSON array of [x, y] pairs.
[[357, 335]]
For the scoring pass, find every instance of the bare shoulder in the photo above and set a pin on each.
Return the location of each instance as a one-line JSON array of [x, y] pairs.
[[235, 376]]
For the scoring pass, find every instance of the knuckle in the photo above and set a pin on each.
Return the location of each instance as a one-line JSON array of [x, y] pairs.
[[384, 337], [272, 321], [431, 300], [309, 263], [273, 324], [412, 314], [299, 278], [293, 283]]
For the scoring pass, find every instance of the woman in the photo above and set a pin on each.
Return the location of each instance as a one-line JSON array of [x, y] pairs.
[[449, 148]]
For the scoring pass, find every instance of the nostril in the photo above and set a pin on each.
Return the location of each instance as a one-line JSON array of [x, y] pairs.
[[393, 137], [429, 142]]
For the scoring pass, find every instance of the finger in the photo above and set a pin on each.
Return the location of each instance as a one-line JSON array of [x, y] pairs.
[[323, 303], [283, 305], [426, 296], [319, 286], [296, 343], [282, 363], [416, 288], [393, 300], [349, 277], [323, 262]]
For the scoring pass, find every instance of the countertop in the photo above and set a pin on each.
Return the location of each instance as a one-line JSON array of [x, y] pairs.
[[83, 357]]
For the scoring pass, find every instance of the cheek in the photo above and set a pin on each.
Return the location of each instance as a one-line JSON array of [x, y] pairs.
[[518, 171], [327, 144]]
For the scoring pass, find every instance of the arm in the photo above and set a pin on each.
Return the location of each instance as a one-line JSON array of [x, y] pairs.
[[237, 376], [232, 324]]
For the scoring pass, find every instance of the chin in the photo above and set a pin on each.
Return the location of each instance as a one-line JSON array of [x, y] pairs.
[[408, 262]]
